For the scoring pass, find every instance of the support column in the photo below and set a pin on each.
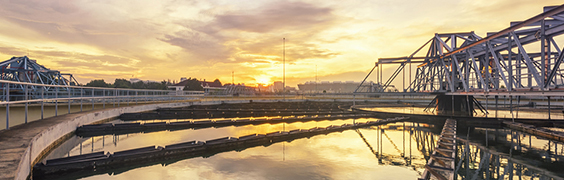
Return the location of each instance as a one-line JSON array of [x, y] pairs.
[[455, 105]]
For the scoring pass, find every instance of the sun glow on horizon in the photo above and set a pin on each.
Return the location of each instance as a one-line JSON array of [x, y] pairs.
[[264, 80]]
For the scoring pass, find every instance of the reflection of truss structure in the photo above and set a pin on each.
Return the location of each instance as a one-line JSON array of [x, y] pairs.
[[23, 69], [508, 60]]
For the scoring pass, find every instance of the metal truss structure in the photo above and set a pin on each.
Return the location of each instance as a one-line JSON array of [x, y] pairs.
[[522, 57], [23, 69]]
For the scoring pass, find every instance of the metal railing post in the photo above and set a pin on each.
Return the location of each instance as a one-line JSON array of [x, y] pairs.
[[69, 96], [118, 97], [42, 101], [81, 96], [92, 99], [56, 101], [104, 98], [26, 103], [8, 106]]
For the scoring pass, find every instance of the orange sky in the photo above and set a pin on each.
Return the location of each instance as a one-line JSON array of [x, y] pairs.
[[169, 39]]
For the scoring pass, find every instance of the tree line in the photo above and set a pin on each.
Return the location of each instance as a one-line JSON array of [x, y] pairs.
[[123, 83], [192, 85]]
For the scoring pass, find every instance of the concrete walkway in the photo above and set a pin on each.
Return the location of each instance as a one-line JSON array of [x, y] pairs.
[[23, 145], [15, 142]]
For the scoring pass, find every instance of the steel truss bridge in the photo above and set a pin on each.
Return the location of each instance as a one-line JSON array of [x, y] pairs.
[[23, 69], [521, 60]]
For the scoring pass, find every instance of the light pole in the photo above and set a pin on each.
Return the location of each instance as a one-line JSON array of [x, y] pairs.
[[284, 68]]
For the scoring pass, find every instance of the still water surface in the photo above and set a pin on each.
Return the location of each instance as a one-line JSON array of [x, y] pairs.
[[339, 155]]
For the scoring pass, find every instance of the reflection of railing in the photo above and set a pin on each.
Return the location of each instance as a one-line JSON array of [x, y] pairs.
[[479, 162], [56, 95]]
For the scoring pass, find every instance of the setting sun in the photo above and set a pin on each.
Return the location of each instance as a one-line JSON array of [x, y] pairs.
[[264, 80]]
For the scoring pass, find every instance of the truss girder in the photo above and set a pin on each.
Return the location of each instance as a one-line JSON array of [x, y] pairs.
[[23, 69], [507, 60]]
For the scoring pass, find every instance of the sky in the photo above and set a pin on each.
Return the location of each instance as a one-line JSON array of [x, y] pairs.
[[170, 39]]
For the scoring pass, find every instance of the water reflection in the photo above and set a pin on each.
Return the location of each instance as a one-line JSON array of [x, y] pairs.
[[522, 112], [395, 154], [393, 151]]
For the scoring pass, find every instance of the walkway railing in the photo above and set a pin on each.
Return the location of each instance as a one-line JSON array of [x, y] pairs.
[[45, 100]]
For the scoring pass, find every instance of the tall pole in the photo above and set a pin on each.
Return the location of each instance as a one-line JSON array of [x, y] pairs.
[[284, 68], [316, 78]]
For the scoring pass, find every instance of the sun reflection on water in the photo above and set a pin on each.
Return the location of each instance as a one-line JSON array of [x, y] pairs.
[[338, 155]]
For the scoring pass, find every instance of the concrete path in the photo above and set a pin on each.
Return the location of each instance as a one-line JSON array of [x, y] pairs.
[[15, 141]]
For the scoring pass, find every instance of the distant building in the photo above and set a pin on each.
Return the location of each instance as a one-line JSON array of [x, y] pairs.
[[212, 87], [209, 87], [277, 86]]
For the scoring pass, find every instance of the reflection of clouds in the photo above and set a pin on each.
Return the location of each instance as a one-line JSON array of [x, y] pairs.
[[335, 156], [338, 155], [268, 167]]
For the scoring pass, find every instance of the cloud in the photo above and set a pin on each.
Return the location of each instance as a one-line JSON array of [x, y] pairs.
[[88, 65], [169, 39], [202, 46], [275, 17], [255, 35]]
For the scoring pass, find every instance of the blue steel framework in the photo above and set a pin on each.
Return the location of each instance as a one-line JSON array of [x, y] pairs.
[[504, 61]]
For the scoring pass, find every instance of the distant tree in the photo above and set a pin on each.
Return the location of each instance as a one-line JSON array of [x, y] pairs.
[[217, 81], [122, 83], [138, 85], [193, 85], [156, 85], [97, 83]]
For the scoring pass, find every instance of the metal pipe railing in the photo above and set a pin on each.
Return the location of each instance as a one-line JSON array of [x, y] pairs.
[[28, 94], [34, 95]]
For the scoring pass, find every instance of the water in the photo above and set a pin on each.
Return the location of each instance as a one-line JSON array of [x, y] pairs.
[[529, 113], [339, 155]]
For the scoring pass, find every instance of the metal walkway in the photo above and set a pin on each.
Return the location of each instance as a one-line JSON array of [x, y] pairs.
[[441, 165]]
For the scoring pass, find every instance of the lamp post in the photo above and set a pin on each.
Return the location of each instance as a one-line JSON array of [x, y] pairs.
[[284, 68]]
